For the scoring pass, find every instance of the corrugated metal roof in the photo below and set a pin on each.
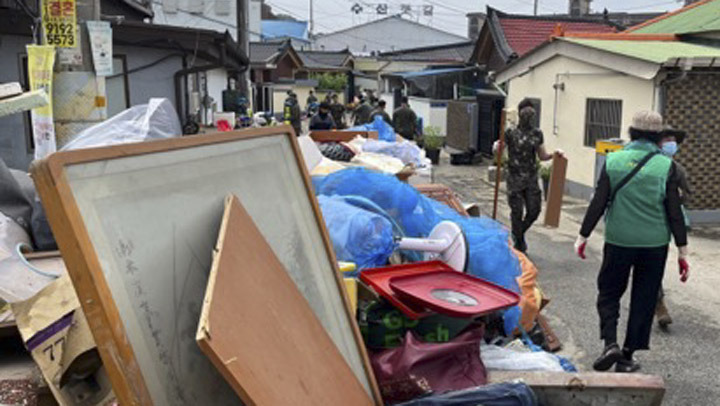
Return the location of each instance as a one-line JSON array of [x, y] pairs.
[[456, 52], [699, 17], [525, 34], [651, 51]]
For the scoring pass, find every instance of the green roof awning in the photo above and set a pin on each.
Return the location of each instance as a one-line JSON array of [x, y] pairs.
[[651, 51], [701, 18]]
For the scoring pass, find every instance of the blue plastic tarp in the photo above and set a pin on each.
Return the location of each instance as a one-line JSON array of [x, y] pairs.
[[284, 29], [490, 256]]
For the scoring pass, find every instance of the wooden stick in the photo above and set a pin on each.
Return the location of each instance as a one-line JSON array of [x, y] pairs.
[[498, 163]]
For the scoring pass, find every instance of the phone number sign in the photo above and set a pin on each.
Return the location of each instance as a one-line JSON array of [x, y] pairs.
[[60, 23]]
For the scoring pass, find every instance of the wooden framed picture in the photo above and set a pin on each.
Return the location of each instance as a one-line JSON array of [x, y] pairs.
[[136, 225]]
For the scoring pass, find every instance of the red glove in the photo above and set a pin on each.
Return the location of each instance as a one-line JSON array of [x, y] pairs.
[[684, 269], [580, 245], [683, 263]]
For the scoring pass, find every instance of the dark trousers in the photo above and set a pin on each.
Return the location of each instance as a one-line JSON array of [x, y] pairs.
[[525, 202], [647, 266]]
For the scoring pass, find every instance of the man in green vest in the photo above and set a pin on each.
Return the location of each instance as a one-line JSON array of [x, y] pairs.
[[638, 194]]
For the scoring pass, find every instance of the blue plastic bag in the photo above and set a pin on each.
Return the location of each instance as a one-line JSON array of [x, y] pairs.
[[490, 256], [357, 235], [385, 130]]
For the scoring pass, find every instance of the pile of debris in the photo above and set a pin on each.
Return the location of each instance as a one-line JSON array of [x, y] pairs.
[[205, 270]]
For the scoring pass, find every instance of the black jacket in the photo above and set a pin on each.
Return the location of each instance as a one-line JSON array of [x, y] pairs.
[[675, 217]]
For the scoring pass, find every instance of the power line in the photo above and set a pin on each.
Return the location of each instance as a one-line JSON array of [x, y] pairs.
[[190, 16], [334, 29]]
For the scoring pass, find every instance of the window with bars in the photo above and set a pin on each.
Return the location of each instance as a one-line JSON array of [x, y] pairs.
[[603, 118]]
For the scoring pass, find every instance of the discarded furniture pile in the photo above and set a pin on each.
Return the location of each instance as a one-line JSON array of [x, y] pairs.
[[373, 146], [215, 270]]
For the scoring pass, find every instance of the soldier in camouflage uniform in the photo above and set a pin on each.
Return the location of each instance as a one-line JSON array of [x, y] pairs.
[[524, 147]]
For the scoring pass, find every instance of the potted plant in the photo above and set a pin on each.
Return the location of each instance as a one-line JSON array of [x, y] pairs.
[[432, 142], [545, 172]]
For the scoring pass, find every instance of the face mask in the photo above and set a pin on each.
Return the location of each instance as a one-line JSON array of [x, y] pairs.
[[669, 148]]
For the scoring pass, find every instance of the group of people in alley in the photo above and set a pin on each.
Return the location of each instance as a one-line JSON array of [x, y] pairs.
[[640, 194], [330, 114]]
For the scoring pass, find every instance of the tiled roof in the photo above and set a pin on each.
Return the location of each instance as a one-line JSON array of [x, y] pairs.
[[324, 59], [263, 52], [456, 52], [525, 34]]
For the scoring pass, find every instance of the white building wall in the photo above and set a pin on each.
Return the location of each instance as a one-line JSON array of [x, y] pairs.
[[390, 34], [582, 81], [218, 15], [217, 82], [432, 112], [254, 20]]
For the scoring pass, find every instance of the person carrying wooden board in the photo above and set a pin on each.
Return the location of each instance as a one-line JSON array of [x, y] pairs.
[[525, 145]]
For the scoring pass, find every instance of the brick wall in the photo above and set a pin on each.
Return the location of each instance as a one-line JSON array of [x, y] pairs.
[[693, 105]]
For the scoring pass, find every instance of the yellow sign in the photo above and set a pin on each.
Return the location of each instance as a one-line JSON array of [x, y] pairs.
[[606, 147], [60, 23], [41, 59]]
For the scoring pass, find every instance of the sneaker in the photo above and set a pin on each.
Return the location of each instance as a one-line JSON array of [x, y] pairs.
[[627, 365], [610, 355]]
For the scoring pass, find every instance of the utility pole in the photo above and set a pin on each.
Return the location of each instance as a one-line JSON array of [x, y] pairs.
[[535, 7], [312, 23], [243, 38], [79, 98]]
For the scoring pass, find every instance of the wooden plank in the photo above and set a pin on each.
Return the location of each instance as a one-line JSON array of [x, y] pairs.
[[265, 366], [23, 102], [556, 191], [341, 136], [589, 388], [10, 89], [151, 210], [498, 162], [443, 194], [552, 341]]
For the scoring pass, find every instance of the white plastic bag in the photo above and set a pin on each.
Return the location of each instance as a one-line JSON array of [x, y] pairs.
[[11, 234], [17, 281], [406, 151], [155, 120], [498, 358], [378, 162]]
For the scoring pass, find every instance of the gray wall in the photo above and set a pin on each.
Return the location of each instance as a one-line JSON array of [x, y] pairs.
[[390, 34], [156, 81], [13, 137]]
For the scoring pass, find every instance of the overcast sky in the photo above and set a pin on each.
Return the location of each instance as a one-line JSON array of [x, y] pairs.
[[449, 15]]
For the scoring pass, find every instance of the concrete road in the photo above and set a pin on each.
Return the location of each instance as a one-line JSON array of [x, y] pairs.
[[687, 356]]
